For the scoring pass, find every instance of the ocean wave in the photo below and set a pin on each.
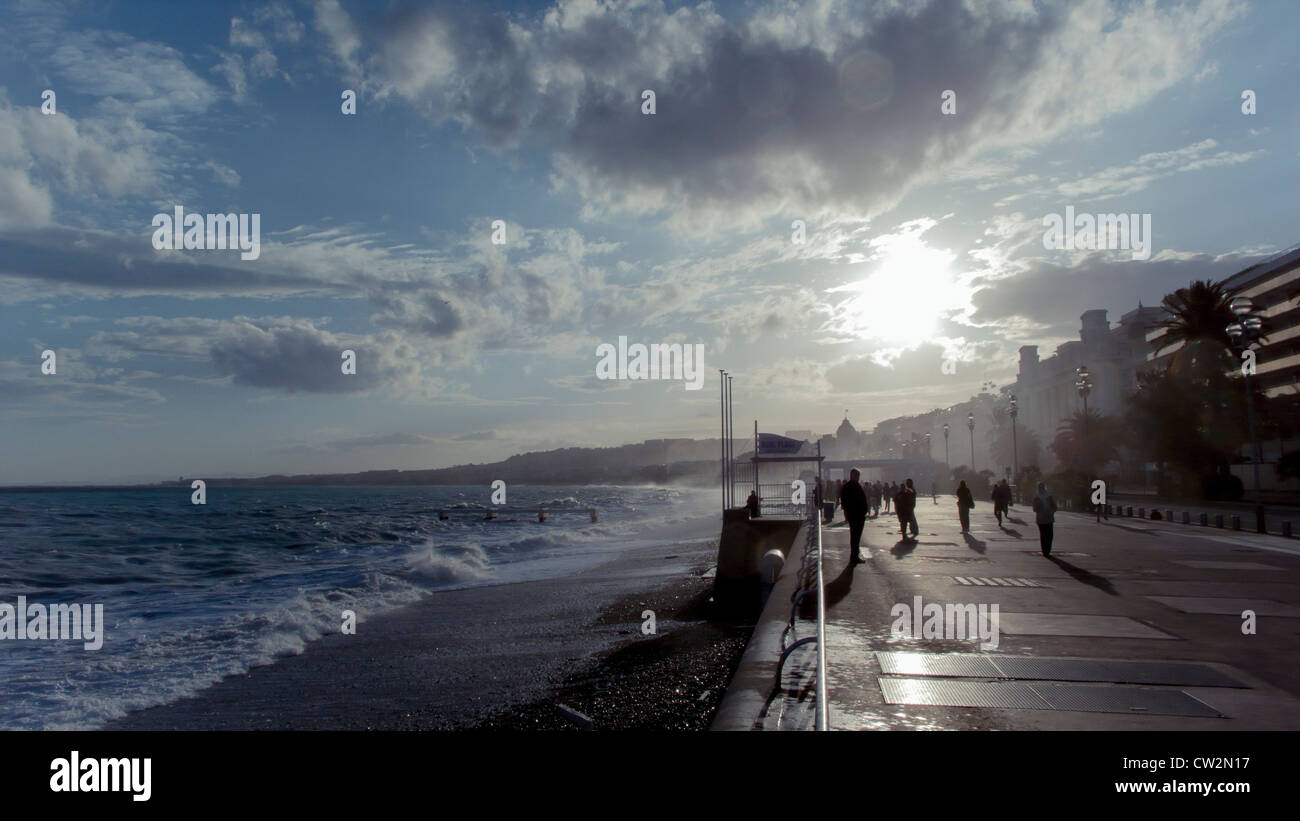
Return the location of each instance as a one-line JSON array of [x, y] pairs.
[[448, 565]]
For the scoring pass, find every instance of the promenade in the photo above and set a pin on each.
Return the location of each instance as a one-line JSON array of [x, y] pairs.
[[1130, 625]]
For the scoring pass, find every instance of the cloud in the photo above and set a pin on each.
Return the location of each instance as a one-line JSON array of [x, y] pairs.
[[1049, 297], [24, 386], [1138, 175], [383, 440], [110, 262], [921, 366], [812, 109], [151, 77], [297, 357], [284, 354], [23, 203]]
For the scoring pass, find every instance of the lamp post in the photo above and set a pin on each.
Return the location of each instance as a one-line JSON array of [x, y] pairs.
[[722, 405], [1015, 462], [1084, 386], [970, 423], [1244, 333], [929, 459]]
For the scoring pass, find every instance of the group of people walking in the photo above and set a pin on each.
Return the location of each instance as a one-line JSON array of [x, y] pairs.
[[858, 500]]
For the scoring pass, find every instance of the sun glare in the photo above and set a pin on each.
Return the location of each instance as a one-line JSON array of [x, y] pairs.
[[902, 300]]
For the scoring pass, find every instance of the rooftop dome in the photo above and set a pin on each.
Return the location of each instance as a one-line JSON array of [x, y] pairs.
[[845, 429]]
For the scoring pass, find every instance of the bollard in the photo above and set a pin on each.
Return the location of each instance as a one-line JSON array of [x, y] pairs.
[[1142, 513], [1187, 518], [1169, 515], [769, 569], [1236, 522], [1286, 530], [1205, 520], [593, 514], [1218, 520], [1128, 512]]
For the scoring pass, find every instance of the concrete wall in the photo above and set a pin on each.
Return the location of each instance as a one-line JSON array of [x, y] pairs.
[[755, 677]]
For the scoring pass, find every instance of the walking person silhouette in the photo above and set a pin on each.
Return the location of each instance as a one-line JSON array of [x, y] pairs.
[[853, 499], [964, 503], [1045, 508], [905, 506]]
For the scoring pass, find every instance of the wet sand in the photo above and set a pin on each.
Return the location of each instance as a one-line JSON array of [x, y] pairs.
[[500, 657]]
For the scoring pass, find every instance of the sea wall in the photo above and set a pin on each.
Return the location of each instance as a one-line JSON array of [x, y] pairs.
[[753, 684], [738, 588]]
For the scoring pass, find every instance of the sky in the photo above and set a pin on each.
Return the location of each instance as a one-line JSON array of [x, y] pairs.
[[832, 198]]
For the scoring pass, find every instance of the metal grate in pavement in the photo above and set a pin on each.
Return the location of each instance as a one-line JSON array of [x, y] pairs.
[[1012, 695], [945, 693], [957, 665], [986, 581], [1035, 668], [1091, 698], [1039, 552]]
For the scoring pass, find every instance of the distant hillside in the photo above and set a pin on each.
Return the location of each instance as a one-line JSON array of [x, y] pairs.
[[655, 461]]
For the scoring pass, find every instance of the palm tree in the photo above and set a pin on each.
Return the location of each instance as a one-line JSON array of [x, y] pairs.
[[1198, 317], [1084, 443], [1202, 310]]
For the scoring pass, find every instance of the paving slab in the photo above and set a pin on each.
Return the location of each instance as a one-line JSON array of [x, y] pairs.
[[1095, 607], [1228, 607]]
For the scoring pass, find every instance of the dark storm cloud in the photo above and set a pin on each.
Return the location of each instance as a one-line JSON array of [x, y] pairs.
[[1055, 296], [126, 264], [297, 357], [817, 107], [428, 313]]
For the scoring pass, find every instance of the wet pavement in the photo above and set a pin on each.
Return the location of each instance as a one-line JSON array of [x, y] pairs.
[[1129, 597]]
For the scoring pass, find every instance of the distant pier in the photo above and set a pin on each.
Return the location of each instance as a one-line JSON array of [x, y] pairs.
[[488, 513]]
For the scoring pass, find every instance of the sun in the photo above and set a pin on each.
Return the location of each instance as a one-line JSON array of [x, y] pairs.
[[902, 300]]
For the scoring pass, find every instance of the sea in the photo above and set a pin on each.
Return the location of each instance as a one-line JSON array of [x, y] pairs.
[[194, 593]]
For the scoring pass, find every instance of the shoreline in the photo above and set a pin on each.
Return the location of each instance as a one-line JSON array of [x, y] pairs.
[[499, 657], [674, 680]]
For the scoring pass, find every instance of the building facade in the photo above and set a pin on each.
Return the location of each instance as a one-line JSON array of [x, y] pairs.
[[1274, 287], [1045, 390]]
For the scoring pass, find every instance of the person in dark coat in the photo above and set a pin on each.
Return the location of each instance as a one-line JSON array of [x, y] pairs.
[[964, 503], [1001, 497], [853, 499], [905, 506], [1045, 513]]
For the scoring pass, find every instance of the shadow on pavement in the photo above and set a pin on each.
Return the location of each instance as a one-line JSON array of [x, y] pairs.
[[903, 547], [1086, 577], [974, 543], [838, 588]]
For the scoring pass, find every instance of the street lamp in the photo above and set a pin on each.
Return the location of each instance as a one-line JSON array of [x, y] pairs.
[[947, 466], [1015, 462], [1084, 386], [970, 423], [1244, 333]]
